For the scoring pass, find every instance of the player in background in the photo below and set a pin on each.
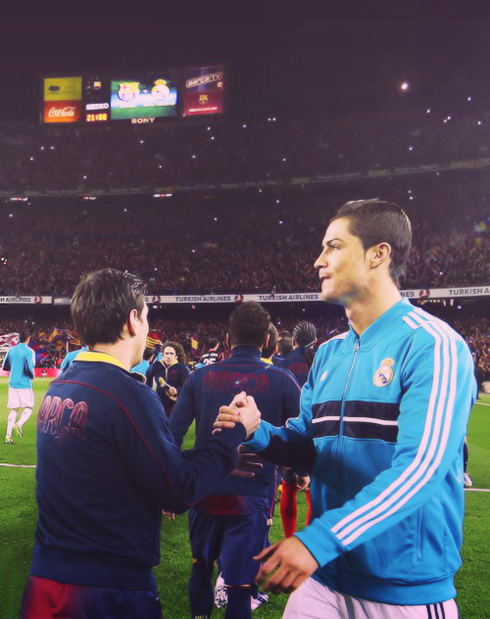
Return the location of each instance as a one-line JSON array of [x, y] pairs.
[[143, 366], [107, 465], [168, 375], [270, 349], [284, 346], [383, 418], [70, 358], [232, 522], [298, 361], [213, 353], [20, 361]]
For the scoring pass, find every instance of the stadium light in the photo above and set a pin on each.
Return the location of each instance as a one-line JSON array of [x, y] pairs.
[[278, 201], [281, 221], [42, 147], [215, 219], [11, 214], [142, 141], [31, 158], [244, 126], [274, 119], [469, 99], [479, 122], [410, 148], [209, 128], [193, 156], [193, 251], [404, 86], [428, 111], [125, 210], [284, 158], [449, 117], [212, 137], [85, 177]]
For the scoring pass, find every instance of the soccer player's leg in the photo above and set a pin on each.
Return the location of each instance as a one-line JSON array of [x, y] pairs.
[[27, 403], [13, 403], [288, 506], [244, 539], [205, 533]]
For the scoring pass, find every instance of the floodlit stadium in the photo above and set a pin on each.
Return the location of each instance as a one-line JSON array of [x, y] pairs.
[[197, 174]]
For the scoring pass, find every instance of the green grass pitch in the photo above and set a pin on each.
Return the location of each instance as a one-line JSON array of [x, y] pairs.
[[18, 515]]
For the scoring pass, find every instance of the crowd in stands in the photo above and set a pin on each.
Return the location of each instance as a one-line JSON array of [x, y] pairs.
[[198, 152], [51, 351], [238, 244]]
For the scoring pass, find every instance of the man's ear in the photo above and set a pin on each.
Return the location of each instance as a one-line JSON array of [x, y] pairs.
[[132, 321], [266, 341], [380, 254], [227, 340]]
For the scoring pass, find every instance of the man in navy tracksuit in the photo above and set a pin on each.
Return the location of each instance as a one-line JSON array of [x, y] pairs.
[[231, 523], [107, 466]]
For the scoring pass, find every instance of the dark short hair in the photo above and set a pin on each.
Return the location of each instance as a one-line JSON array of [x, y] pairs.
[[248, 324], [24, 335], [285, 343], [102, 302], [375, 221], [212, 342], [179, 350], [148, 354], [271, 347]]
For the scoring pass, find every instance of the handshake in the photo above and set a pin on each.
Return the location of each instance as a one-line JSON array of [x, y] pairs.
[[242, 409]]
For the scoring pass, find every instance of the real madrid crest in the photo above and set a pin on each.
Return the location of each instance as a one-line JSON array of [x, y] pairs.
[[384, 374]]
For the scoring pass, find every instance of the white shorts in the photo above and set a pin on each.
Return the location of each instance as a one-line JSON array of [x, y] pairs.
[[20, 398], [316, 601]]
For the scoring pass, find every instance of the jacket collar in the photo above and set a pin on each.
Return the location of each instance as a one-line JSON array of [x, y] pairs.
[[381, 327], [100, 357], [248, 352]]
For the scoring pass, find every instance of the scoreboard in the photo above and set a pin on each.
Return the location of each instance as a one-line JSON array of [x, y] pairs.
[[139, 99]]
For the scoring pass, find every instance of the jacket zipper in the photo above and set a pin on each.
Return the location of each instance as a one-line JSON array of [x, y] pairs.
[[341, 431]]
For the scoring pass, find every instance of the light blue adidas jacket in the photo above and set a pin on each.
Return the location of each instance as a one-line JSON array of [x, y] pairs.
[[20, 360], [387, 413]]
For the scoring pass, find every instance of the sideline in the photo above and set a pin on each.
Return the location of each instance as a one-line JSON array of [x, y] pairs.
[[19, 466]]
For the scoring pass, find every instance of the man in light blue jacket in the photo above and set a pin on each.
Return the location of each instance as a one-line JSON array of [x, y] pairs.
[[19, 361], [382, 425]]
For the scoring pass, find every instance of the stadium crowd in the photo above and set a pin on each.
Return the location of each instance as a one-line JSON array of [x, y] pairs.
[[234, 244], [195, 334], [196, 153]]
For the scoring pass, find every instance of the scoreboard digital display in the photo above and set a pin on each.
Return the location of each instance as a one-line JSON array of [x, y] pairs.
[[151, 98], [204, 91], [137, 98]]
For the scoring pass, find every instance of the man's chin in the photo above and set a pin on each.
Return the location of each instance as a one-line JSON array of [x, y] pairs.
[[329, 297]]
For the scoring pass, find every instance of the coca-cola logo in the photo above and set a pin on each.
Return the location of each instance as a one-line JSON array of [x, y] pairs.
[[65, 112]]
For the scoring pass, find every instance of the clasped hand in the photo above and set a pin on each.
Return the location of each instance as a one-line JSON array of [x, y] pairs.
[[242, 409]]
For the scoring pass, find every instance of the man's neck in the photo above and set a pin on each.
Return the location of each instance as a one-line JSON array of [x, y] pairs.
[[119, 351], [363, 313]]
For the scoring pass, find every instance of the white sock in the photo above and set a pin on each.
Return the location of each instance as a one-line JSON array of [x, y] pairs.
[[11, 422], [26, 413]]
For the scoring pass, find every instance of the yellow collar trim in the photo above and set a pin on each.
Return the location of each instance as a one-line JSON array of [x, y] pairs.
[[100, 357]]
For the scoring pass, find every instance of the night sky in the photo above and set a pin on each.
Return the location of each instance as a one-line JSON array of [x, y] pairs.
[[275, 67]]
